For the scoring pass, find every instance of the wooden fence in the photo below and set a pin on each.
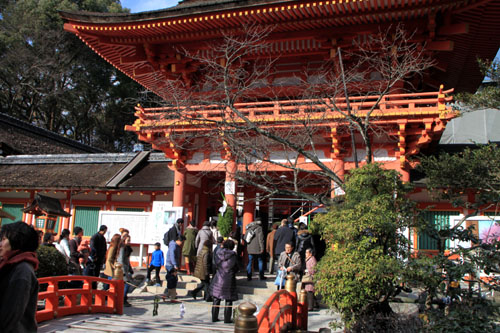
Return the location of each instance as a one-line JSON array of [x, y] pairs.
[[75, 300]]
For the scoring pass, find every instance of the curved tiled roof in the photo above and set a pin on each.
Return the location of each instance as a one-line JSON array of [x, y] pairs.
[[121, 38]]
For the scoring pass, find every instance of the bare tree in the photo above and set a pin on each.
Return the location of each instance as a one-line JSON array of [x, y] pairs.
[[234, 104]]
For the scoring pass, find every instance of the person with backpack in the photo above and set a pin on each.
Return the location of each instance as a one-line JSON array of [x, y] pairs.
[[254, 239], [174, 232]]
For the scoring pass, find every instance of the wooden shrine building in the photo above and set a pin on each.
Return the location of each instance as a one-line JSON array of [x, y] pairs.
[[169, 50]]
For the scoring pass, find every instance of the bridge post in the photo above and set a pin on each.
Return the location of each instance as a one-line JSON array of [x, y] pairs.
[[302, 310], [246, 321], [291, 287], [118, 289]]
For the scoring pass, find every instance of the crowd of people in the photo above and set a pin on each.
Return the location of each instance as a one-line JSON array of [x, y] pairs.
[[213, 259]]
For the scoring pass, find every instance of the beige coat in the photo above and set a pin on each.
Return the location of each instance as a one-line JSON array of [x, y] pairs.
[[110, 263]]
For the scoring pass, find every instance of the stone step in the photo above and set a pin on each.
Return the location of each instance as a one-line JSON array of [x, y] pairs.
[[186, 283]]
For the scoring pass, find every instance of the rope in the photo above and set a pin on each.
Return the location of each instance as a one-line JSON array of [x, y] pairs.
[[164, 296], [178, 302]]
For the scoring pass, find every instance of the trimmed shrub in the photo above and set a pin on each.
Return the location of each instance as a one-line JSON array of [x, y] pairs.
[[52, 262]]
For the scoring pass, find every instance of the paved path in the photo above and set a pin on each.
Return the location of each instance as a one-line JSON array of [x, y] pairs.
[[197, 315]]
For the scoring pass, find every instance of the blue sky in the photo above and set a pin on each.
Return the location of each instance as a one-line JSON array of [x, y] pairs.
[[146, 5]]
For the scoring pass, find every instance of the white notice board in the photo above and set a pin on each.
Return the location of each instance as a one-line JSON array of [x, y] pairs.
[[144, 227], [135, 222], [163, 217]]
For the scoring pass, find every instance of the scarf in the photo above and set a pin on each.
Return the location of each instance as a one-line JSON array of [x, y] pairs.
[[15, 257]]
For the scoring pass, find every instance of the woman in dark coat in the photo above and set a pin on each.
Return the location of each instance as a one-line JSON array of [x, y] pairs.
[[224, 282]]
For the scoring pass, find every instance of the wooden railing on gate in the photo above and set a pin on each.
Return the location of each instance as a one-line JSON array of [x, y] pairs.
[[282, 311], [79, 300]]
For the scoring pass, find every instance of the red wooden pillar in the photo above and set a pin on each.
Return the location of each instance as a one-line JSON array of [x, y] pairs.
[[248, 208], [340, 171], [405, 175], [179, 186], [230, 184]]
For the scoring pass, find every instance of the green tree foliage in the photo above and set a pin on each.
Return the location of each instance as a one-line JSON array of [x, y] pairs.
[[469, 180], [474, 171], [225, 222], [487, 96], [364, 264], [52, 262], [51, 79]]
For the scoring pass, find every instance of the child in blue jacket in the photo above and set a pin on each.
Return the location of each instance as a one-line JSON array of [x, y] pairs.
[[157, 261]]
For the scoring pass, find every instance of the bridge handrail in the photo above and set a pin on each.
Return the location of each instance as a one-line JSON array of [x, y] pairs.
[[90, 300], [277, 312], [282, 311]]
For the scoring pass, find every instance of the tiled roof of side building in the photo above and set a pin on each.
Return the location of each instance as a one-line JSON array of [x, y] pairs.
[[31, 139], [91, 171]]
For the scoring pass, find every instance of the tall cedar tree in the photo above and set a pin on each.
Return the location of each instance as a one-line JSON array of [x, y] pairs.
[[51, 79]]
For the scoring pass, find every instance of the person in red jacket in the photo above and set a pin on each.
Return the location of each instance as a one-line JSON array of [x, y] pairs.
[[18, 282]]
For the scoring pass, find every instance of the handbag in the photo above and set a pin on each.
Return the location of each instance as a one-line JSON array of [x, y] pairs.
[[307, 278], [280, 279]]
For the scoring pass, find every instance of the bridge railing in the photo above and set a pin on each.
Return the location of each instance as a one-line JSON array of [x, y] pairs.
[[68, 301], [281, 312]]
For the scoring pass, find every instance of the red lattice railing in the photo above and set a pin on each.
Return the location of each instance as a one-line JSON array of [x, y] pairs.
[[422, 103], [282, 311], [79, 300]]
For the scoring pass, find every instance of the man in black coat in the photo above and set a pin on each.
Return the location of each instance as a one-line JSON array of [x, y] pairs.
[[282, 236], [174, 232], [74, 253], [98, 250]]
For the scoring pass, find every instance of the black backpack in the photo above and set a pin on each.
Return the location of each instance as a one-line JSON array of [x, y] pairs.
[[165, 238]]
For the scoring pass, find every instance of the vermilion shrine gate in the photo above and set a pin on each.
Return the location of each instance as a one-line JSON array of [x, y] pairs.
[[153, 49]]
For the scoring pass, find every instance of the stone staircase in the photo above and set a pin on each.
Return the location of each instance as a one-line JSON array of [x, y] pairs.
[[256, 289]]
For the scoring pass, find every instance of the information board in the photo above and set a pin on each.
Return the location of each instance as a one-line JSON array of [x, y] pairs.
[[144, 227], [136, 222]]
